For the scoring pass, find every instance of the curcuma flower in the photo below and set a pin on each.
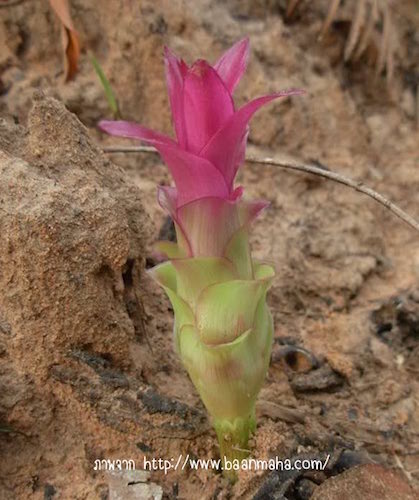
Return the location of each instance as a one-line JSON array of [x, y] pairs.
[[223, 328]]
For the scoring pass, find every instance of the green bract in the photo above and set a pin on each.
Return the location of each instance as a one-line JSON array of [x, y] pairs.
[[223, 333]]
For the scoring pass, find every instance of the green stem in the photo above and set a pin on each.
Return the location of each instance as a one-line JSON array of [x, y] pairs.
[[233, 437]]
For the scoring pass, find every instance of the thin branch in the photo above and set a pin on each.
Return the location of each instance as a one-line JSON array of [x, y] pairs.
[[346, 181], [10, 3], [400, 465], [310, 169], [130, 149]]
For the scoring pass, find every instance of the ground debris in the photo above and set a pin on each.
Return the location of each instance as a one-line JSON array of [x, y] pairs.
[[133, 485], [295, 484], [365, 482], [300, 484], [121, 400], [295, 358], [322, 379]]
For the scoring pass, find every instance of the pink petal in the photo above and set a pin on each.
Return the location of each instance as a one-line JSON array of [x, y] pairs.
[[167, 198], [232, 64], [236, 194], [135, 131], [207, 105], [194, 177], [176, 70], [249, 210], [226, 148]]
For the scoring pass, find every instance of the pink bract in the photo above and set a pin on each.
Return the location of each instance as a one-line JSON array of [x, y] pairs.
[[211, 134]]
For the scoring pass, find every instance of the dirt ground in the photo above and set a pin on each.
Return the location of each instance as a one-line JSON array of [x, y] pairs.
[[87, 367]]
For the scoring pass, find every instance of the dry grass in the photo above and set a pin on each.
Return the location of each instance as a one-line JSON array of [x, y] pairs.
[[372, 32]]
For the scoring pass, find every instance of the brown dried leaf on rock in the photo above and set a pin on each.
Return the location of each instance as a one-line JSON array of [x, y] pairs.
[[70, 38]]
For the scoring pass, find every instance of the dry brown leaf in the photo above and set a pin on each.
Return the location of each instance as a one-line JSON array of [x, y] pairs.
[[70, 38], [292, 4], [356, 28], [331, 15]]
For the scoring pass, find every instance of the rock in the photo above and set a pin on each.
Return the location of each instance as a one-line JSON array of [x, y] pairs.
[[381, 352], [74, 232], [305, 488], [340, 363], [71, 224], [365, 482], [49, 492]]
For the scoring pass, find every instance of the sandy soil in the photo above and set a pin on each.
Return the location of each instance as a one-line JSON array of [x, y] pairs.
[[87, 369]]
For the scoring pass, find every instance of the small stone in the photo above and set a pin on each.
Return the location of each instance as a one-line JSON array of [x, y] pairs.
[[340, 363], [49, 492], [381, 352], [133, 485], [389, 391]]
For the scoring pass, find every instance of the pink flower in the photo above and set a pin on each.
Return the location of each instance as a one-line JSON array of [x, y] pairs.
[[211, 134]]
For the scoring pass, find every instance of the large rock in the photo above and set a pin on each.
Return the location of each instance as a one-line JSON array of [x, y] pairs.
[[366, 482], [72, 247]]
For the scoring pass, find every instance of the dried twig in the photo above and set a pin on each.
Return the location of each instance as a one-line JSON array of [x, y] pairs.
[[10, 3], [130, 149], [279, 412], [371, 24], [368, 31], [385, 40], [333, 8], [310, 169], [356, 28], [417, 106], [292, 4], [399, 463]]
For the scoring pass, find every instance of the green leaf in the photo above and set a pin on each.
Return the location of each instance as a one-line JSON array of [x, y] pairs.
[[195, 274], [110, 96], [229, 376], [238, 252], [263, 271], [165, 275], [170, 249], [225, 310]]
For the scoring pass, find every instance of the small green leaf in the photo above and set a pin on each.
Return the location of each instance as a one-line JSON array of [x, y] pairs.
[[170, 249], [165, 275], [110, 96], [263, 271]]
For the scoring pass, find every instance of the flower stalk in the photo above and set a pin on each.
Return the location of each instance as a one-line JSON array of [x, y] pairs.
[[223, 328]]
